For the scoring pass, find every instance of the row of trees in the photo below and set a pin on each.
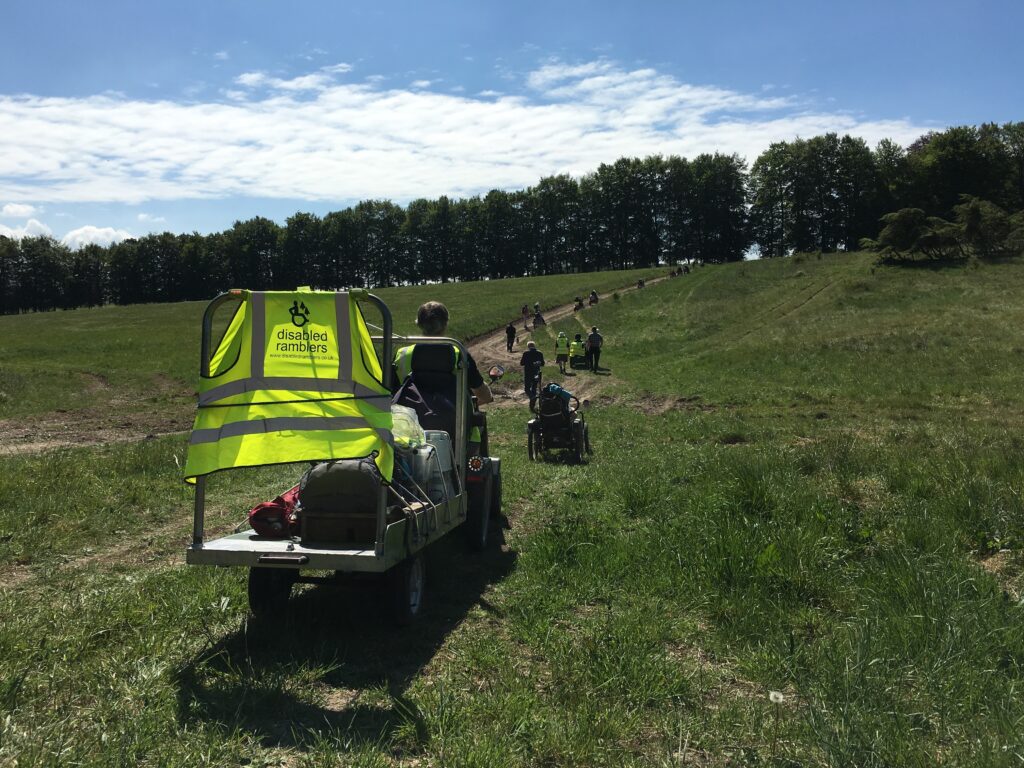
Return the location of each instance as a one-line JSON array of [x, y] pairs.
[[825, 193]]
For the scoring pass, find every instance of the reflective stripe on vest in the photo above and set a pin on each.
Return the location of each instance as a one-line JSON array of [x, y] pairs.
[[295, 378]]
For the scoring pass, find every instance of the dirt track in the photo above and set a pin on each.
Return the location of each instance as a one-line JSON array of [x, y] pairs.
[[490, 349], [123, 420]]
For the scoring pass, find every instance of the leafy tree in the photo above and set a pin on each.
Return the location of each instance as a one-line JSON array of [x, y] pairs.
[[770, 205], [719, 211], [984, 228], [251, 248]]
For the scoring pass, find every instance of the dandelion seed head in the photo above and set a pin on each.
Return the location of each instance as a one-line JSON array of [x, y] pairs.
[[776, 697]]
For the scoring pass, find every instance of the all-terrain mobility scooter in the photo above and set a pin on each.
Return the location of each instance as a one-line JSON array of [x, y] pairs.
[[558, 425], [297, 377]]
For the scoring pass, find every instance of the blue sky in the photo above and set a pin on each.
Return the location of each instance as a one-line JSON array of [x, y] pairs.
[[122, 118]]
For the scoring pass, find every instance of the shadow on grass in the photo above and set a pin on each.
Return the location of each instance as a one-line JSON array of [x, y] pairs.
[[335, 666]]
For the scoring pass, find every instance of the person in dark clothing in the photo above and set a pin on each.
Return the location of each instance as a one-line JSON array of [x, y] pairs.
[[532, 362], [510, 336], [594, 342]]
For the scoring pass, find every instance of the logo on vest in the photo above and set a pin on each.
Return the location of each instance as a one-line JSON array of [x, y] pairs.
[[299, 313], [309, 341]]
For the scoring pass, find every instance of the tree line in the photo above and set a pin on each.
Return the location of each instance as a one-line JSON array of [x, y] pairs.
[[824, 194]]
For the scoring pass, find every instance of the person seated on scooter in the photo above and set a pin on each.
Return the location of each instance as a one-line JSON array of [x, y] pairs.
[[432, 319], [577, 349]]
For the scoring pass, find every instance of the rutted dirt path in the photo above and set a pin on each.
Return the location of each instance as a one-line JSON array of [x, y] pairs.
[[124, 419], [120, 418], [490, 350]]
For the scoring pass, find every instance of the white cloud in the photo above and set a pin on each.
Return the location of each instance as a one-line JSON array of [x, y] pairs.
[[221, 56], [76, 238], [420, 84], [147, 218], [251, 79], [31, 228], [17, 211], [313, 137], [337, 69]]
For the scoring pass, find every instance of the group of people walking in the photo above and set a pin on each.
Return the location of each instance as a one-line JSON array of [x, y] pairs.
[[568, 353]]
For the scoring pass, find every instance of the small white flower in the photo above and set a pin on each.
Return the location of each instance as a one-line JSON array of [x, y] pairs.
[[775, 697]]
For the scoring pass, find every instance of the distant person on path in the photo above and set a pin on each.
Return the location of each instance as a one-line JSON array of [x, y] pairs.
[[532, 362], [510, 337], [562, 351], [594, 342], [526, 317]]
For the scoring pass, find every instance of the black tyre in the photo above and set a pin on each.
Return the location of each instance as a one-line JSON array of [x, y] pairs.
[[269, 590], [529, 446], [496, 498], [407, 582], [478, 518]]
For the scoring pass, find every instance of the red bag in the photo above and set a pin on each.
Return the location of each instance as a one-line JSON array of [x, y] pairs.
[[277, 518]]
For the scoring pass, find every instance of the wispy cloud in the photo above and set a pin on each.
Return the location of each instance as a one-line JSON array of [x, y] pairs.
[[148, 218], [17, 211], [315, 137], [221, 56]]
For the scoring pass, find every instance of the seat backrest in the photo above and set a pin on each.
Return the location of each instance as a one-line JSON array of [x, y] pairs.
[[553, 410], [431, 386]]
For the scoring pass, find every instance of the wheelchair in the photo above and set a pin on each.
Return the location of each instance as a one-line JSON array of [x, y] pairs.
[[557, 426]]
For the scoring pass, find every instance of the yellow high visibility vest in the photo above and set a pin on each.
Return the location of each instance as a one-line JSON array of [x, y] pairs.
[[294, 378], [561, 345], [576, 348], [403, 362]]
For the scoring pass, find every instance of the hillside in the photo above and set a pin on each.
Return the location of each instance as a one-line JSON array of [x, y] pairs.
[[807, 480]]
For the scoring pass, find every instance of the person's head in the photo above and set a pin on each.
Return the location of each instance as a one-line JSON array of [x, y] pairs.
[[432, 318], [561, 334], [593, 329], [531, 345], [579, 337]]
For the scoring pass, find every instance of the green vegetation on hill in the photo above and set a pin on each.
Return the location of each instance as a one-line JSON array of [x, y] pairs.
[[76, 359], [807, 480]]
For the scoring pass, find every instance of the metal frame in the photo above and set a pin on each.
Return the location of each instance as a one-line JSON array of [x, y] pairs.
[[393, 542]]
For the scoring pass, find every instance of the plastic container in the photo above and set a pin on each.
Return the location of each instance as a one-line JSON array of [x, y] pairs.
[[406, 427], [442, 441]]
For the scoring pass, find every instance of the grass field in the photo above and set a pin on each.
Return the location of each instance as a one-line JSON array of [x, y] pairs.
[[807, 480]]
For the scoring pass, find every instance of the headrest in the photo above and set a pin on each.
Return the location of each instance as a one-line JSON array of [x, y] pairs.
[[433, 358]]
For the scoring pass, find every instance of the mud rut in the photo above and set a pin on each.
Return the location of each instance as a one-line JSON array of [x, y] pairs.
[[490, 349], [118, 424], [123, 421]]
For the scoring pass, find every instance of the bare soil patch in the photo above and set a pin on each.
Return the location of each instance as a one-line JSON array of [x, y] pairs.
[[165, 409]]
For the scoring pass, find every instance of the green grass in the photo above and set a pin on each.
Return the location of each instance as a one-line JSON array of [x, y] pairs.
[[73, 360], [805, 483]]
